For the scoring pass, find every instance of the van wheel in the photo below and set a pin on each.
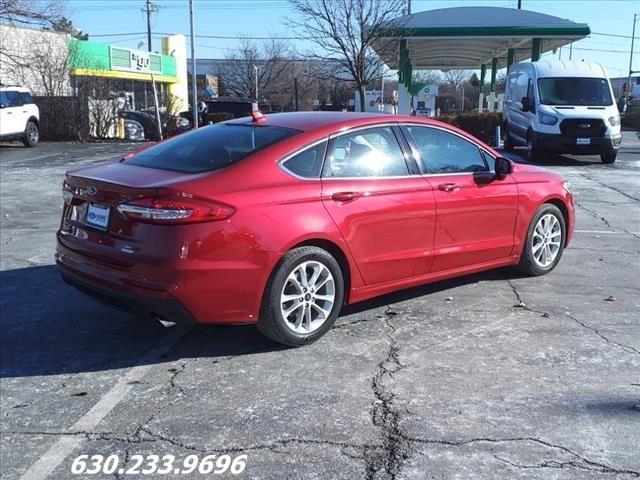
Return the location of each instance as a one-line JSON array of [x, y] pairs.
[[608, 157], [544, 242], [508, 141], [532, 153], [31, 135], [303, 297]]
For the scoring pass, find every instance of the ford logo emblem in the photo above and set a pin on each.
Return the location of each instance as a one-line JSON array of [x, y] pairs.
[[584, 125], [91, 191]]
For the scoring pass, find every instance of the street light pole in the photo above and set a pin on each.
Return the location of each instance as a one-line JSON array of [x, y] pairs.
[[194, 87], [633, 36], [149, 25]]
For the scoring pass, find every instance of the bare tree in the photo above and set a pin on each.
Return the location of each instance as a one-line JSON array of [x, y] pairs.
[[272, 60], [456, 78], [347, 30], [31, 12]]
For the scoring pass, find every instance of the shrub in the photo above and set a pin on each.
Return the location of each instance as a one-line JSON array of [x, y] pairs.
[[480, 125], [631, 121]]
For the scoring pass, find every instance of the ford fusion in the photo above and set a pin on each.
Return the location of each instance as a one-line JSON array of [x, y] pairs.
[[280, 220]]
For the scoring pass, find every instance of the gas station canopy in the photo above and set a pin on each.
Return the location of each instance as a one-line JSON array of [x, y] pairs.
[[469, 37]]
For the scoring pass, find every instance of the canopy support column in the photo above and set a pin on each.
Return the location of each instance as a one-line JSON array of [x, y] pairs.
[[405, 73], [536, 47], [491, 100], [483, 76], [510, 54]]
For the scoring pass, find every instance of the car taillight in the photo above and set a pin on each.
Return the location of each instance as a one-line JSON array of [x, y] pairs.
[[174, 210], [67, 192]]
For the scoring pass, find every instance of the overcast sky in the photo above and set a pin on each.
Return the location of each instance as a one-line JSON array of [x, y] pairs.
[[264, 18]]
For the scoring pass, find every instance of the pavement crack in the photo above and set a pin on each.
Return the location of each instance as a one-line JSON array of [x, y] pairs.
[[595, 214], [386, 415], [576, 460], [610, 187]]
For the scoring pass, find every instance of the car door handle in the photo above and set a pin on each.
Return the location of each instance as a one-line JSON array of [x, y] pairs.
[[449, 187], [345, 196]]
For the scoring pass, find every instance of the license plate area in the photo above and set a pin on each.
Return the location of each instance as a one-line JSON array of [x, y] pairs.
[[583, 141], [97, 216]]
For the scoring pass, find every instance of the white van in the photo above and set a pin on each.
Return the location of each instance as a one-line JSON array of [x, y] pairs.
[[561, 107]]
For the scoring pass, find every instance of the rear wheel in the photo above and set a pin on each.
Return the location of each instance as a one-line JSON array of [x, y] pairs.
[[608, 157], [31, 135], [545, 241], [303, 297]]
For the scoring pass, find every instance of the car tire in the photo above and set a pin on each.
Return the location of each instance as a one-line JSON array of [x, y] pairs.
[[300, 321], [545, 241], [608, 157], [31, 135]]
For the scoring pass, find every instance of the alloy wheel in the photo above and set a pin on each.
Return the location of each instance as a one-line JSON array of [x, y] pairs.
[[546, 240], [308, 296]]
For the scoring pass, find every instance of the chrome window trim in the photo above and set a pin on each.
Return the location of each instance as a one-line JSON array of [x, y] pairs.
[[315, 143], [444, 129]]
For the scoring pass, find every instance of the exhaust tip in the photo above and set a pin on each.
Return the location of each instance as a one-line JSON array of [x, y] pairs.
[[164, 322]]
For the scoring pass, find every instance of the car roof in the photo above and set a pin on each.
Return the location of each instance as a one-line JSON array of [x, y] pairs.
[[568, 68], [15, 88], [309, 121]]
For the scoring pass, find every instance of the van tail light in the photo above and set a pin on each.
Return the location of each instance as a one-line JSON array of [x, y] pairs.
[[173, 210]]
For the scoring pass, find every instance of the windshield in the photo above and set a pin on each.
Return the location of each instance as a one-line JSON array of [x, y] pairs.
[[575, 91], [209, 148]]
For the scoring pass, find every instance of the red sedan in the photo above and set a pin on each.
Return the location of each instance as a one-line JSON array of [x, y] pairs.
[[281, 220]]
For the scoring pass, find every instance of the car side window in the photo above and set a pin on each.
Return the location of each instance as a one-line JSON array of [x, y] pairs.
[[443, 152], [26, 98], [372, 152], [13, 98], [522, 85], [308, 162]]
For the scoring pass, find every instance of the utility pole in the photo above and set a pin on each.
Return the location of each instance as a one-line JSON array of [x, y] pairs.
[[519, 4], [408, 7], [194, 87], [633, 36], [150, 8], [295, 90]]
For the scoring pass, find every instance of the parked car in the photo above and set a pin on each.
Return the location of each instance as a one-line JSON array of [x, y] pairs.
[[561, 107], [279, 220], [19, 116], [133, 130]]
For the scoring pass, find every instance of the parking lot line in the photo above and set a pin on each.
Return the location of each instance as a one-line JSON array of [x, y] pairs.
[[60, 450], [609, 232]]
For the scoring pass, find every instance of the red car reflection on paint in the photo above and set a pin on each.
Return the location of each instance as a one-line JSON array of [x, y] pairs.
[[281, 220]]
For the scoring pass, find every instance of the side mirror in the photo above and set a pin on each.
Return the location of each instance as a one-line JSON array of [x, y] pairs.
[[503, 167], [526, 104]]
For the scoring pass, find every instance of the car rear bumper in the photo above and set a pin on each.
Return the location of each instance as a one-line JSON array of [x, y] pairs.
[[555, 143], [154, 308], [191, 291]]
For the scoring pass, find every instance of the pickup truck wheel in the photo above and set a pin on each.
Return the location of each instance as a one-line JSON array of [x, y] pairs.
[[31, 135], [608, 157]]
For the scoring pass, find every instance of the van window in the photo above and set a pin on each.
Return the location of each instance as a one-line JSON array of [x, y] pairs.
[[593, 92], [522, 84]]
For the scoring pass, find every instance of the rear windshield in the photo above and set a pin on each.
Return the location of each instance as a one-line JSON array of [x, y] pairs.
[[209, 148], [575, 91]]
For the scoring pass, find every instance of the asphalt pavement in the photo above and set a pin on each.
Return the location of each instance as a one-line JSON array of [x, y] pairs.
[[491, 376]]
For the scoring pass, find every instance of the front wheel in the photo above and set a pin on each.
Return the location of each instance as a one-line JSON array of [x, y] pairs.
[[31, 135], [532, 152], [303, 297], [545, 241], [608, 157], [508, 144]]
